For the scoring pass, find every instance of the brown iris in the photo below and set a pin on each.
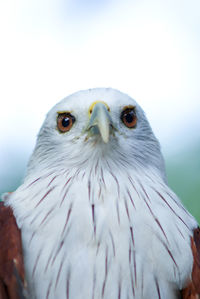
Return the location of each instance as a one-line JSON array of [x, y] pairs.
[[65, 121], [129, 118]]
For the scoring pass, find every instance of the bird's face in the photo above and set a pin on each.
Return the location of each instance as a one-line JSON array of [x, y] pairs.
[[96, 124]]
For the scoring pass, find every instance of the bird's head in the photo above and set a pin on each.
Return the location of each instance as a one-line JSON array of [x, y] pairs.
[[97, 124]]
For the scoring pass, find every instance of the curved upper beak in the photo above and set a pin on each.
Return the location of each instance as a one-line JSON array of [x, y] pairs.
[[100, 121]]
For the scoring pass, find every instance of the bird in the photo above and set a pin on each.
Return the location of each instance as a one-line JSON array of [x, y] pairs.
[[94, 216]]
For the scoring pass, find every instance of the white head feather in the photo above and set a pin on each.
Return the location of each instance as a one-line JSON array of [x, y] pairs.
[[137, 148]]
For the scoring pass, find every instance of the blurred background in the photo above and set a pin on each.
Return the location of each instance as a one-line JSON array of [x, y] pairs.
[[148, 49]]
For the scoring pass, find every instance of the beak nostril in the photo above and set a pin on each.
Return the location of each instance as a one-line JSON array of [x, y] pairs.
[[99, 120]]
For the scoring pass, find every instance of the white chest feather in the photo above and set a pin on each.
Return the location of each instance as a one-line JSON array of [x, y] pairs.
[[103, 236]]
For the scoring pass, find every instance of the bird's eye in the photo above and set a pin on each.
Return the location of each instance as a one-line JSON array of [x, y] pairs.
[[128, 117], [65, 121]]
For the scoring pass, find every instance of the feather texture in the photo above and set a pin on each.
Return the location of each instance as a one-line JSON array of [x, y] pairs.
[[98, 219], [78, 241], [192, 291], [12, 282]]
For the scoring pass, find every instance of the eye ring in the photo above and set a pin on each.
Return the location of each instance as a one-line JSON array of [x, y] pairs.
[[65, 121], [128, 117]]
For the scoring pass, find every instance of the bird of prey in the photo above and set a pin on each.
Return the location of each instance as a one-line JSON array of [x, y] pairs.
[[95, 217]]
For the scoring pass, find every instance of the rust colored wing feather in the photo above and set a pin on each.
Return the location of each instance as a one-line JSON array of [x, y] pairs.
[[192, 291], [12, 281]]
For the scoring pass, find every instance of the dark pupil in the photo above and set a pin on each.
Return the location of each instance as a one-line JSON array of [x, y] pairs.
[[65, 121], [129, 117]]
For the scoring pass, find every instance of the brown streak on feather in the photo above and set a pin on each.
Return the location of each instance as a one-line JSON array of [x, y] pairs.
[[118, 216], [156, 220], [180, 232], [158, 289], [33, 182], [57, 252], [38, 179], [49, 259], [116, 180], [66, 191], [171, 208], [89, 189], [160, 226], [170, 254], [47, 193], [34, 218], [31, 198], [48, 291], [94, 285], [130, 180], [77, 173], [132, 238], [127, 211], [46, 216], [134, 257], [119, 290], [67, 182], [36, 262], [52, 181], [96, 167], [129, 195], [129, 254], [83, 175], [106, 273], [192, 291], [134, 262], [67, 286], [99, 195], [196, 253], [102, 177], [58, 275], [177, 203], [11, 258], [145, 192], [113, 244], [32, 236], [65, 194], [67, 219], [93, 219], [132, 284], [98, 245]]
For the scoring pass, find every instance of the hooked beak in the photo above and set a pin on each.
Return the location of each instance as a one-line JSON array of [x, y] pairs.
[[100, 121]]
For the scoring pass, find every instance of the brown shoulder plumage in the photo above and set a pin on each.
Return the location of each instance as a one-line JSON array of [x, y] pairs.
[[12, 282], [192, 291]]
